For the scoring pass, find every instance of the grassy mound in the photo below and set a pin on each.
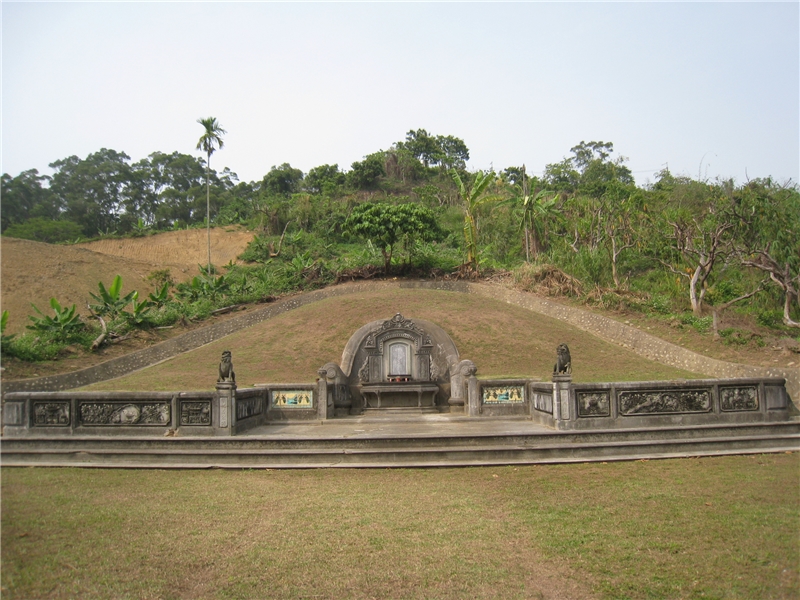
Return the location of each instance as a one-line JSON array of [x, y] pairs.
[[503, 340]]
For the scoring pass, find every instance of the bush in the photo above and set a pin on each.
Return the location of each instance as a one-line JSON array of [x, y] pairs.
[[40, 229], [39, 346], [770, 318]]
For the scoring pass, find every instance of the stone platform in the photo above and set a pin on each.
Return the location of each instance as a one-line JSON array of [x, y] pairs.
[[425, 440]]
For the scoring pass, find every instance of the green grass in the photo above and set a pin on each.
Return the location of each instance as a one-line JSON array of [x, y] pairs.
[[694, 528], [503, 341]]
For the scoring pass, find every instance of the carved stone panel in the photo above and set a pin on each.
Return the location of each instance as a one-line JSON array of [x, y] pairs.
[[654, 402], [247, 407], [543, 402], [196, 412], [594, 404], [738, 398], [51, 414], [512, 394], [107, 413]]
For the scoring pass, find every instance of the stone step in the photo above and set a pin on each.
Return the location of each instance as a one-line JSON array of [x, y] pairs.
[[398, 455]]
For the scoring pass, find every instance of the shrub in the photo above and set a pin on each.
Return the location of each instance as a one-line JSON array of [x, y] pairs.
[[45, 230], [110, 301], [64, 322]]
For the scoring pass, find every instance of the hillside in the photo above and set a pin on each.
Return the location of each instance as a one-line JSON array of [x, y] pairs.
[[33, 272]]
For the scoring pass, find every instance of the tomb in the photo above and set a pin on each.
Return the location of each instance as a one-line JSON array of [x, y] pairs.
[[399, 364]]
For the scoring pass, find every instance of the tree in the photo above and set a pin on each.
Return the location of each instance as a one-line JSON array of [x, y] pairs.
[[446, 150], [324, 179], [209, 142], [771, 243], [473, 196], [622, 208], [24, 197], [282, 181], [423, 146], [365, 174], [387, 224], [93, 189], [588, 170], [454, 152], [699, 242]]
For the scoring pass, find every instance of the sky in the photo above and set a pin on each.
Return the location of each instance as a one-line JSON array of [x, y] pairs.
[[705, 89]]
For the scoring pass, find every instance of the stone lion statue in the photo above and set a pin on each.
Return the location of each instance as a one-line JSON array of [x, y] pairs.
[[563, 364], [226, 373]]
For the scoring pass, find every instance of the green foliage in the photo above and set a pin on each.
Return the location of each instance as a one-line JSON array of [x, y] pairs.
[[4, 339], [324, 179], [160, 296], [364, 175], [699, 324], [24, 197], [110, 301], [473, 195], [282, 181], [387, 224], [34, 347], [139, 309], [448, 151], [203, 286], [64, 322], [41, 229]]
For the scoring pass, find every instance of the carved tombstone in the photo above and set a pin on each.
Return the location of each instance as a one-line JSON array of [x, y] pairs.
[[226, 374], [397, 363]]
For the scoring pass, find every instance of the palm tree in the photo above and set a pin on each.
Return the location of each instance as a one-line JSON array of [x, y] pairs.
[[209, 142], [472, 198]]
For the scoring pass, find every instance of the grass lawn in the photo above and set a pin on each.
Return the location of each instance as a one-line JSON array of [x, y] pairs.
[[693, 528]]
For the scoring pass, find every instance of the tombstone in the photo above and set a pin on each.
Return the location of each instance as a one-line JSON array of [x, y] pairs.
[[400, 364]]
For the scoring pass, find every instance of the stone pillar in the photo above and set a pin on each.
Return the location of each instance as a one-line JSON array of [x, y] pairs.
[[322, 393], [473, 396], [225, 422], [561, 397], [459, 375], [340, 402]]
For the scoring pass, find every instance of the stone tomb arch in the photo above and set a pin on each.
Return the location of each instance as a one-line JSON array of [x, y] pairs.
[[399, 363]]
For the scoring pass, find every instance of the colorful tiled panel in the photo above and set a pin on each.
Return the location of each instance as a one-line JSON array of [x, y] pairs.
[[292, 399], [503, 395]]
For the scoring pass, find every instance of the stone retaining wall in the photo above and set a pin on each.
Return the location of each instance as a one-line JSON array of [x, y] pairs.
[[640, 342]]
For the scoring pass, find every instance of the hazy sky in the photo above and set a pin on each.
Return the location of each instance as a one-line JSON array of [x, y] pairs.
[[710, 89]]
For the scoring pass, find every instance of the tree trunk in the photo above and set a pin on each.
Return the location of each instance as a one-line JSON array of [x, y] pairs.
[[697, 302], [208, 212]]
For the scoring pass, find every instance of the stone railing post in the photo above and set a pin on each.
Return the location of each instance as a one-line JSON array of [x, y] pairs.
[[225, 408], [322, 396], [473, 396], [561, 397], [459, 375]]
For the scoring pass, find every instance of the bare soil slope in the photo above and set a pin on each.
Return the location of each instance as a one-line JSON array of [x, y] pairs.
[[33, 272], [182, 250]]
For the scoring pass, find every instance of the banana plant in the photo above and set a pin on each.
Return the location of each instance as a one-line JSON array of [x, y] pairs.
[[110, 301], [140, 309], [64, 322], [160, 296], [4, 339], [472, 198]]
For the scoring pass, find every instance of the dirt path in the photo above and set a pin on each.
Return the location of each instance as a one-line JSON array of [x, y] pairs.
[[33, 272]]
